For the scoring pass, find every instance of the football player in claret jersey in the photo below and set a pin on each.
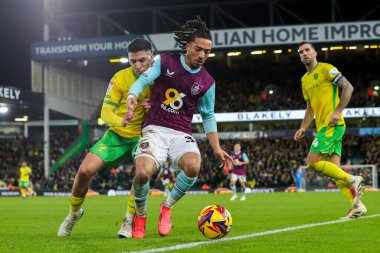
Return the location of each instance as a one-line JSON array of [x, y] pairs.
[[181, 86], [120, 140], [239, 171], [320, 86], [167, 176]]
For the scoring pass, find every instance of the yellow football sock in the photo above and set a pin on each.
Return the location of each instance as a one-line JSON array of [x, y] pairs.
[[330, 170], [23, 192], [75, 203], [131, 204], [345, 190]]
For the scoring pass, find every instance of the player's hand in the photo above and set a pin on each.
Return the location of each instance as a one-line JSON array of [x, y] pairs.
[[126, 119], [299, 134], [334, 119], [229, 166], [223, 157], [131, 101], [145, 103]]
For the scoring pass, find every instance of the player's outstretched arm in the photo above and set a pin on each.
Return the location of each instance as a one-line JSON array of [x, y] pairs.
[[223, 157], [142, 82], [206, 108]]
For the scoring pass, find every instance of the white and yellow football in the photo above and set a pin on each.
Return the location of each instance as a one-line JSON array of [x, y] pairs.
[[214, 221]]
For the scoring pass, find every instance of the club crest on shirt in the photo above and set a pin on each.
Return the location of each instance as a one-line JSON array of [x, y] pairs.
[[196, 89], [102, 147], [144, 145]]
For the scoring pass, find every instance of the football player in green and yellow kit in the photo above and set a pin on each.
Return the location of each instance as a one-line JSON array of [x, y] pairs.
[[320, 89], [24, 182], [120, 140]]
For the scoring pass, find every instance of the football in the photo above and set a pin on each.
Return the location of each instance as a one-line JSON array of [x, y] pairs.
[[214, 221]]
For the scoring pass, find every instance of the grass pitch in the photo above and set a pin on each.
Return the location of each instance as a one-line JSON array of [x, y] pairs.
[[31, 225]]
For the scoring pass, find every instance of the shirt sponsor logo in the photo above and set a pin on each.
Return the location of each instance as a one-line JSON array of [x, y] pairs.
[[312, 87], [168, 109], [174, 100]]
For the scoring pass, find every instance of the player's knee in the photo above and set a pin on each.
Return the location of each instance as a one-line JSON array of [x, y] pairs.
[[85, 172], [192, 173], [142, 176], [311, 166], [191, 167], [315, 166]]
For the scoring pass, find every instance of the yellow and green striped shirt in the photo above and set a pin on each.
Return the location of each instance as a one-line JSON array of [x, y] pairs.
[[320, 90], [116, 97], [25, 172]]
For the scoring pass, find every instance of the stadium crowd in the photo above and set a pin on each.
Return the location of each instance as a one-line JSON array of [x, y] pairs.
[[273, 162]]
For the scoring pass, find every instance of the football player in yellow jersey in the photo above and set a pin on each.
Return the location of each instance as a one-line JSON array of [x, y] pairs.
[[24, 182], [120, 140], [320, 87]]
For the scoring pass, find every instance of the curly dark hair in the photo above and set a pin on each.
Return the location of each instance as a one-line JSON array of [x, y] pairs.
[[193, 29]]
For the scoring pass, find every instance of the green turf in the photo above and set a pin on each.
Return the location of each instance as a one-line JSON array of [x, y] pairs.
[[30, 225]]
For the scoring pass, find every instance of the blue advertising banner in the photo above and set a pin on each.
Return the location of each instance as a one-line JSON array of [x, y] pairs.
[[82, 48], [228, 38], [14, 95]]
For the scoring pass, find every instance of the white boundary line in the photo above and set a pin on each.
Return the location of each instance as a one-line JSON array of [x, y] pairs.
[[194, 244]]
